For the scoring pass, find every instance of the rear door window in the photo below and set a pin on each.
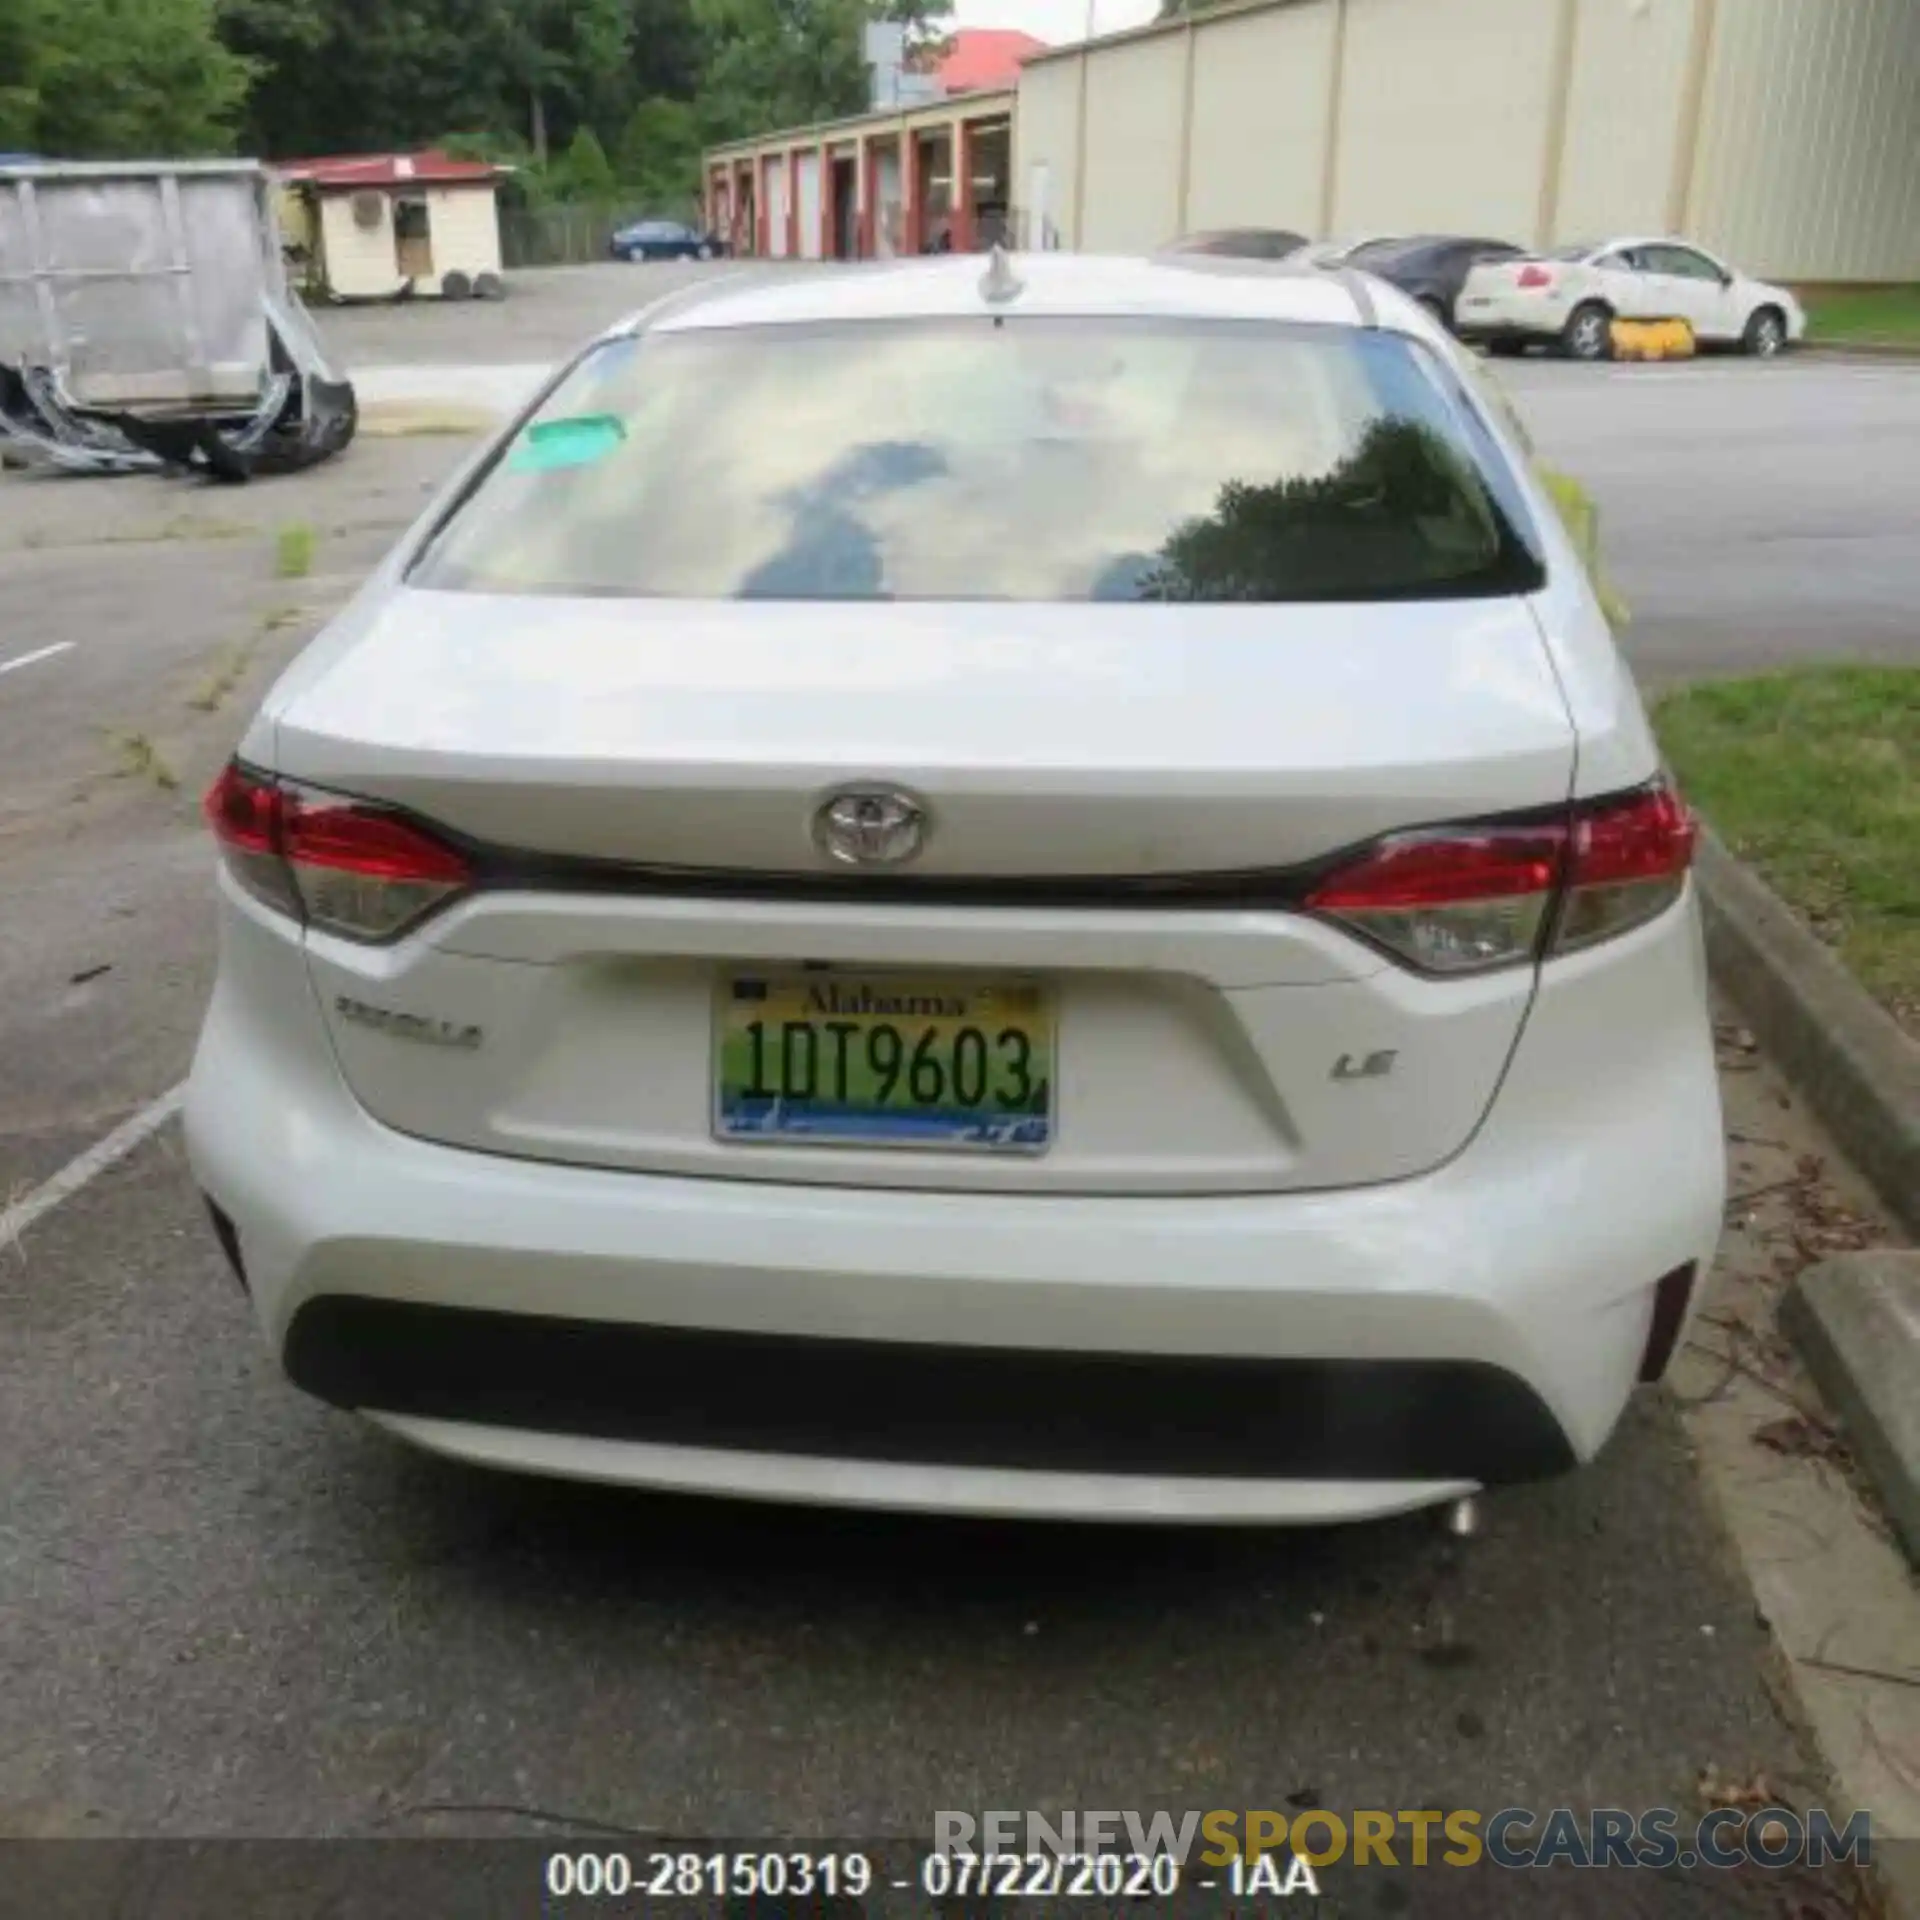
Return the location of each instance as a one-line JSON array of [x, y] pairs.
[[995, 458], [1681, 261]]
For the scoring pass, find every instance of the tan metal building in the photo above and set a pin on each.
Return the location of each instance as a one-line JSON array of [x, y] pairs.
[[1785, 133], [872, 186]]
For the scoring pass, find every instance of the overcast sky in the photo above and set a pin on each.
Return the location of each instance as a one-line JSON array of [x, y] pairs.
[[1054, 20]]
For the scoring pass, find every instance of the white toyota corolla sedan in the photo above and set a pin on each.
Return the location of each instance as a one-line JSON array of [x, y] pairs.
[[1026, 887]]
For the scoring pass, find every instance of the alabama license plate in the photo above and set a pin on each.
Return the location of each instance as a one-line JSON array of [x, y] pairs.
[[884, 1060]]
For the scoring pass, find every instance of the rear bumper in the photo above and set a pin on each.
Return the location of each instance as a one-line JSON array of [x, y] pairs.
[[1486, 332], [1264, 1357], [1492, 318], [891, 1486], [1192, 1416]]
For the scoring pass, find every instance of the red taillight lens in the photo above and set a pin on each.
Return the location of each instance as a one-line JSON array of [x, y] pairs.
[[344, 867], [1451, 901], [244, 810], [338, 837], [1460, 900], [366, 873], [1535, 277], [1630, 861]]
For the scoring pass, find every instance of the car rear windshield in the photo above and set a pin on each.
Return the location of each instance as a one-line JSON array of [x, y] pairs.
[[1382, 250], [996, 459]]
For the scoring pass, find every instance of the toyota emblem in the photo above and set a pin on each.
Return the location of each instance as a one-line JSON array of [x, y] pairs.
[[870, 827]]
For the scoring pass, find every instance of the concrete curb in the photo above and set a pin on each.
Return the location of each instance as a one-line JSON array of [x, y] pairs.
[[1856, 1321], [1850, 1058], [1859, 349]]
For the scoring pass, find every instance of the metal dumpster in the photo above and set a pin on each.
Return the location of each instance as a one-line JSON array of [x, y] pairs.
[[145, 322], [141, 283]]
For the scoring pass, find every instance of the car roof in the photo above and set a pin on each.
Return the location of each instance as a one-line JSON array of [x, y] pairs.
[[1187, 240], [1413, 242], [1646, 240], [1192, 286]]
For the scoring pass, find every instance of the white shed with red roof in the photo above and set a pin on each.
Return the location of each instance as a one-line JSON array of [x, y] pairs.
[[372, 226]]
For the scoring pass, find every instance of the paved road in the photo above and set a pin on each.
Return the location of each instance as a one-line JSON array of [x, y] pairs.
[[229, 1610], [166, 596], [223, 1609], [1752, 515]]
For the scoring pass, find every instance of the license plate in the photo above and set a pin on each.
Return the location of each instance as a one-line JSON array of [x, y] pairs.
[[884, 1060]]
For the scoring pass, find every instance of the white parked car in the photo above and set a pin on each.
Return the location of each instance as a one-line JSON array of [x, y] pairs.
[[1571, 297], [1030, 892]]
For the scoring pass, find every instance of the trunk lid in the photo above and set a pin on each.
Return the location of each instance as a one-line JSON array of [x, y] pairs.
[[1197, 1049], [1047, 740]]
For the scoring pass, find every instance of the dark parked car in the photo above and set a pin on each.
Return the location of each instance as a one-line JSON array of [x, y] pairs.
[[665, 240], [1243, 243], [1430, 267]]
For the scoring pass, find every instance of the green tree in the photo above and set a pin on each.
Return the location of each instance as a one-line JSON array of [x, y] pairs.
[[281, 38], [779, 63], [571, 60], [665, 52], [598, 64], [653, 79], [114, 79], [19, 73], [388, 75], [586, 173], [659, 155]]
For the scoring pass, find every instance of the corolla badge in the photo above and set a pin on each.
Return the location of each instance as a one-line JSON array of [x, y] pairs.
[[870, 827], [408, 1026]]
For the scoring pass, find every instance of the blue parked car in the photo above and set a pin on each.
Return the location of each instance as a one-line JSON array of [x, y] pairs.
[[665, 240]]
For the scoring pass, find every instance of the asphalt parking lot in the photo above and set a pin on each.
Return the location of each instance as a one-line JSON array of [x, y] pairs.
[[1753, 513], [225, 1610]]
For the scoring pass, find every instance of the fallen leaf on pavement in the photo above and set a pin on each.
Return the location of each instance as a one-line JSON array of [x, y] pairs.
[[1715, 1790], [1801, 1438]]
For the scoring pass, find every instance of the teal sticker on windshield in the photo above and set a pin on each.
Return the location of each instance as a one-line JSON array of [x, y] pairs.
[[548, 446]]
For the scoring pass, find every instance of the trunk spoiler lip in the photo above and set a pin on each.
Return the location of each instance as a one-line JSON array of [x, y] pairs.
[[497, 868]]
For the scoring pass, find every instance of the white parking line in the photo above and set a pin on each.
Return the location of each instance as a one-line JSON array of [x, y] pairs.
[[27, 659], [86, 1166]]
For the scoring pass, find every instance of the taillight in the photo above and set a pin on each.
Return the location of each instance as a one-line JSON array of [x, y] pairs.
[[1630, 861], [1531, 276], [1451, 901], [243, 809], [335, 863], [362, 872], [1466, 899]]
